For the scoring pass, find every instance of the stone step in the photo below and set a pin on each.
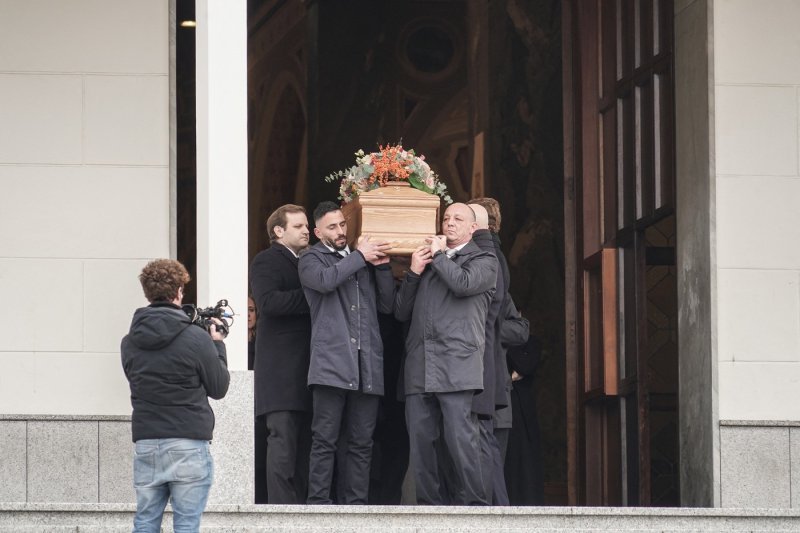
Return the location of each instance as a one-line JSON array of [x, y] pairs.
[[112, 518]]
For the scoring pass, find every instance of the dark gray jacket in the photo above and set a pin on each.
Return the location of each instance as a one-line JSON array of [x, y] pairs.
[[494, 362], [447, 307], [514, 331], [345, 295], [172, 367]]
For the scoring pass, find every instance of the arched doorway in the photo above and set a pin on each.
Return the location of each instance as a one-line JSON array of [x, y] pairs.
[[476, 88]]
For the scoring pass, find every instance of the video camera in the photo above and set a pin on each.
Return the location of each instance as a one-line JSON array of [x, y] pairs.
[[202, 316]]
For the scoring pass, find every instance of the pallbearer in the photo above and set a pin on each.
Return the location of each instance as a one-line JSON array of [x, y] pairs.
[[446, 295], [345, 289], [282, 355]]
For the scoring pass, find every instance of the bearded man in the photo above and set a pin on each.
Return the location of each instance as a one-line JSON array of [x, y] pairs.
[[345, 290]]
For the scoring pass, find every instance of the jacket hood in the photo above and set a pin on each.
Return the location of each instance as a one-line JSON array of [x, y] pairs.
[[157, 326]]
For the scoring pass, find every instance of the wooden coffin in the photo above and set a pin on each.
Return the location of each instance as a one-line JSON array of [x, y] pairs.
[[397, 213]]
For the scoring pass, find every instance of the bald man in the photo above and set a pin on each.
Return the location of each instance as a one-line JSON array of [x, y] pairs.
[[446, 296], [481, 217]]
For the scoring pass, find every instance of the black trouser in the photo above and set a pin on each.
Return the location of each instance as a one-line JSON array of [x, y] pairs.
[[390, 454], [487, 445], [450, 414], [260, 435], [287, 456], [355, 413], [498, 481], [501, 434]]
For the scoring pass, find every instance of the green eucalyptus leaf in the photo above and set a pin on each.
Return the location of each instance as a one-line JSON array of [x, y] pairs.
[[417, 183]]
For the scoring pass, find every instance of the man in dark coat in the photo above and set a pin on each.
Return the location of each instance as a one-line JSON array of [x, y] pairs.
[[524, 467], [345, 291], [513, 330], [493, 397], [446, 295], [282, 355]]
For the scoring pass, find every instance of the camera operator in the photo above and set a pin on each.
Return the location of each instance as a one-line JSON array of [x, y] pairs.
[[173, 367]]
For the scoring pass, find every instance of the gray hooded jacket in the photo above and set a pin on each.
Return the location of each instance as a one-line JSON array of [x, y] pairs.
[[447, 307]]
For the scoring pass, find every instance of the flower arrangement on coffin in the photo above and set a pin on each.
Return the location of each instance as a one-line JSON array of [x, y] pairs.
[[392, 163]]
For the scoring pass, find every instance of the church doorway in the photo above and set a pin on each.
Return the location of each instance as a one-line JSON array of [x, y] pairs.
[[474, 86], [621, 282], [501, 97]]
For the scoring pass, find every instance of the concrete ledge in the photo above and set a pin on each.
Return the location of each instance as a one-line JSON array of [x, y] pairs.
[[67, 418], [274, 518], [760, 423]]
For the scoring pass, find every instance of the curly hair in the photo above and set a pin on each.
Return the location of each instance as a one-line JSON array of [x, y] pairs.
[[492, 207], [162, 278]]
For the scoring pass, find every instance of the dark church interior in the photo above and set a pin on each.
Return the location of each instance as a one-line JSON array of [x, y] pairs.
[[474, 86]]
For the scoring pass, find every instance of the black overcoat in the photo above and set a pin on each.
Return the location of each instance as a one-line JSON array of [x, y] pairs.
[[283, 333], [487, 401], [524, 468]]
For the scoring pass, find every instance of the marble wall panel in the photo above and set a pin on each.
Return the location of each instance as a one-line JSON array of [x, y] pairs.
[[762, 301], [115, 483], [232, 447], [62, 461], [13, 461], [755, 467], [88, 35], [84, 212], [63, 384], [759, 391], [756, 130], [757, 42], [794, 436], [41, 118], [112, 293], [758, 222], [44, 304], [127, 120]]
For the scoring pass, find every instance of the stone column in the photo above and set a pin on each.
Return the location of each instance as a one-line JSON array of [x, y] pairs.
[[222, 163], [696, 250], [222, 225]]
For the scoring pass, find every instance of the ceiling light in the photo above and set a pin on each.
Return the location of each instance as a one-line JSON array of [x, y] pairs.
[[188, 24]]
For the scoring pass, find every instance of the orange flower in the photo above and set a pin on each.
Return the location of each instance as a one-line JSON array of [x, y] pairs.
[[389, 165]]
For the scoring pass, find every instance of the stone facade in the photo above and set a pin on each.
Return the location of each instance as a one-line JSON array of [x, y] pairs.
[[757, 94], [84, 163], [89, 459], [760, 464], [756, 89], [85, 169]]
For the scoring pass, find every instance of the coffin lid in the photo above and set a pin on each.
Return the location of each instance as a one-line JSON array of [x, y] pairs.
[[399, 195]]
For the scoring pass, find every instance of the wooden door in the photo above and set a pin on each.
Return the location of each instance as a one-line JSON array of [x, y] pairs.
[[619, 231]]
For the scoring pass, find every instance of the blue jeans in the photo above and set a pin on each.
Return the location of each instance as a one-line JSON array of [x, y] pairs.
[[178, 468]]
